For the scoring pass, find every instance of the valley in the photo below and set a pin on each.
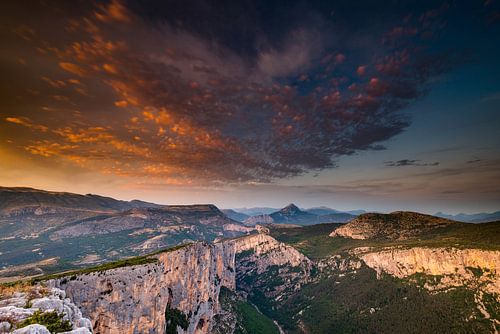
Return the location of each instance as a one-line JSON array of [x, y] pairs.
[[192, 269]]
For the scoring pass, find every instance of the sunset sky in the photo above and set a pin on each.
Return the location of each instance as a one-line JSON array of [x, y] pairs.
[[375, 105]]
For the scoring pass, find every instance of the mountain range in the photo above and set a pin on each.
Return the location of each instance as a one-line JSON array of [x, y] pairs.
[[402, 272], [291, 214], [483, 217]]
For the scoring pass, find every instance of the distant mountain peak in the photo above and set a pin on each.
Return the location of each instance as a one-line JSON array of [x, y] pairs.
[[290, 209]]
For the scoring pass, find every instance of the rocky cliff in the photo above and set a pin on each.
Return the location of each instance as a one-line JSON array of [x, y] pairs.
[[454, 266], [441, 269], [137, 299]]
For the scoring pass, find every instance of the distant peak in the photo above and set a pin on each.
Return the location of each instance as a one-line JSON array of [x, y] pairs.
[[290, 208]]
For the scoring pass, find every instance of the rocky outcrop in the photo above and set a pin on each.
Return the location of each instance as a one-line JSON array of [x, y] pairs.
[[454, 266], [265, 251], [22, 305], [398, 225], [264, 264], [134, 299]]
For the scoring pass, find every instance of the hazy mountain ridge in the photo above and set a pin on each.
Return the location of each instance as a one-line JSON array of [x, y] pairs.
[[483, 217], [17, 199], [292, 214], [238, 216]]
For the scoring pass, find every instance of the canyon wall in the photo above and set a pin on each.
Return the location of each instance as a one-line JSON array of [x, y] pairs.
[[134, 299], [455, 266]]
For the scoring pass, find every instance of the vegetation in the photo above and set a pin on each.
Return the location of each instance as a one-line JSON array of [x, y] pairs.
[[174, 318], [251, 321], [134, 261], [8, 289], [361, 303], [52, 320], [315, 243]]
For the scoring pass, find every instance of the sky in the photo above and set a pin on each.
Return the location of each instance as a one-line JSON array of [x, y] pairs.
[[375, 105]]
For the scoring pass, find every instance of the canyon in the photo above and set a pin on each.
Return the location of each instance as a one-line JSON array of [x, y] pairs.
[[188, 281], [135, 299]]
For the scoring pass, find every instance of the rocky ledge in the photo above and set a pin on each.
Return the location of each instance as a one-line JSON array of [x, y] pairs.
[[18, 308]]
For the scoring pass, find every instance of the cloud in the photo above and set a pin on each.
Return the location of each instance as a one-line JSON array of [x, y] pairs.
[[409, 162], [72, 68], [146, 98], [24, 121]]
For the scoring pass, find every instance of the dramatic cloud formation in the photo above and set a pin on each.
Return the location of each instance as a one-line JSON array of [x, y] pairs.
[[124, 94], [253, 100]]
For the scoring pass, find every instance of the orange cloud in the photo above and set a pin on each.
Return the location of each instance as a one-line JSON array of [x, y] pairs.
[[110, 68], [24, 121], [72, 68], [115, 11], [121, 104]]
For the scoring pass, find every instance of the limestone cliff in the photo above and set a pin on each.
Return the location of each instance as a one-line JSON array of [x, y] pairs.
[[445, 268], [134, 299], [456, 266]]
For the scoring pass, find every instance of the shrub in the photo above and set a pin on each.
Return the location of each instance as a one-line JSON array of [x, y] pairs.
[[174, 318], [52, 320]]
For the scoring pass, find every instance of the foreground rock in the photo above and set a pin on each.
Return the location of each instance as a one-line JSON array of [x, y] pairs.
[[22, 305]]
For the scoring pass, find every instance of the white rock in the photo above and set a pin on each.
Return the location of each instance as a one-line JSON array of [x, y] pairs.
[[4, 327], [32, 329], [47, 304], [78, 331], [58, 293], [19, 301], [84, 322], [15, 314]]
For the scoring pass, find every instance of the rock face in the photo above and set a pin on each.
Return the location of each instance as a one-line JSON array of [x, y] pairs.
[[395, 226], [456, 266], [21, 306], [134, 299], [478, 270], [264, 264]]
